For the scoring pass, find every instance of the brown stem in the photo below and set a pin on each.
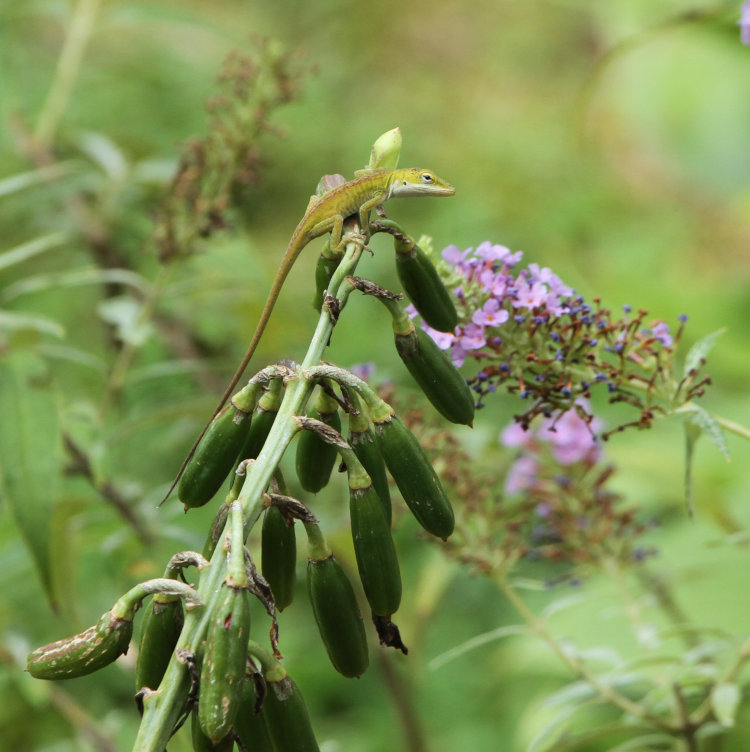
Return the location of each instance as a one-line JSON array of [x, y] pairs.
[[688, 728], [402, 701], [82, 466]]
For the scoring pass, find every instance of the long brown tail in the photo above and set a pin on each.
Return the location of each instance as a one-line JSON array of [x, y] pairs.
[[286, 264]]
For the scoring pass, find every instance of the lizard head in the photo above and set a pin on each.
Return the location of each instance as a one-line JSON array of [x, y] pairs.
[[414, 181]]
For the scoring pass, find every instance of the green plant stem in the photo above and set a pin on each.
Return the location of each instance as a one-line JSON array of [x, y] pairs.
[[577, 666], [403, 701], [688, 728], [66, 72], [162, 709], [612, 568], [704, 710]]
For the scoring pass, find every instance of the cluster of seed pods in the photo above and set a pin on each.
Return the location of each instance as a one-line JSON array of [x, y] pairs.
[[242, 694]]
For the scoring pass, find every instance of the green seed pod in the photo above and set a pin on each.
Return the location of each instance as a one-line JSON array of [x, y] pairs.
[[287, 718], [265, 414], [82, 653], [279, 556], [364, 446], [250, 726], [323, 272], [214, 457], [201, 743], [377, 561], [315, 458], [436, 375], [415, 477], [217, 527], [160, 630], [337, 615], [424, 287], [224, 662]]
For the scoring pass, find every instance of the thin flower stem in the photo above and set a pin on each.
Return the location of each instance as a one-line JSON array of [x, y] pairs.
[[66, 73], [162, 709], [574, 664], [632, 608]]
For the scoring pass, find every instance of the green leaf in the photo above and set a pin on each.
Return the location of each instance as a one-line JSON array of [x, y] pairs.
[[560, 604], [13, 321], [74, 278], [106, 153], [725, 699], [573, 692], [645, 742], [23, 180], [476, 642], [548, 736], [30, 456], [710, 428], [31, 248], [125, 313], [700, 350]]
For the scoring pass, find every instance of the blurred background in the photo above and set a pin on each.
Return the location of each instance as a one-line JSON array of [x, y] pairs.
[[608, 141]]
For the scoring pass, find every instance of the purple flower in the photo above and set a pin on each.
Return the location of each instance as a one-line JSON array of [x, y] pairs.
[[543, 509], [458, 354], [442, 339], [496, 284], [490, 252], [553, 304], [363, 370], [744, 23], [491, 314], [471, 338], [572, 438], [521, 475], [511, 260], [660, 331], [454, 255], [530, 295], [514, 435], [541, 273]]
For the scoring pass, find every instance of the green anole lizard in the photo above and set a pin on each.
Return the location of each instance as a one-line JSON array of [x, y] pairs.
[[327, 214]]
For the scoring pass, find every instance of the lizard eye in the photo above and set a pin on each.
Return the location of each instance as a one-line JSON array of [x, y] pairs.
[[426, 177]]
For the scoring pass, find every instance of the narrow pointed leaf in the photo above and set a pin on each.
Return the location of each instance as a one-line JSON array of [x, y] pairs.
[[31, 248], [700, 350], [30, 457], [710, 428], [725, 699]]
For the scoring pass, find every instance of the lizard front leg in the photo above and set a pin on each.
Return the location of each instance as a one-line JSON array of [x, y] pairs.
[[339, 241]]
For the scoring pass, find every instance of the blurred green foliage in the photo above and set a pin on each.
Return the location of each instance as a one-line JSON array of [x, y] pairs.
[[606, 140]]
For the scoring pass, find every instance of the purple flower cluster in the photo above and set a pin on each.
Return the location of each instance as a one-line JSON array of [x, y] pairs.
[[744, 23], [535, 336], [571, 439], [557, 504]]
